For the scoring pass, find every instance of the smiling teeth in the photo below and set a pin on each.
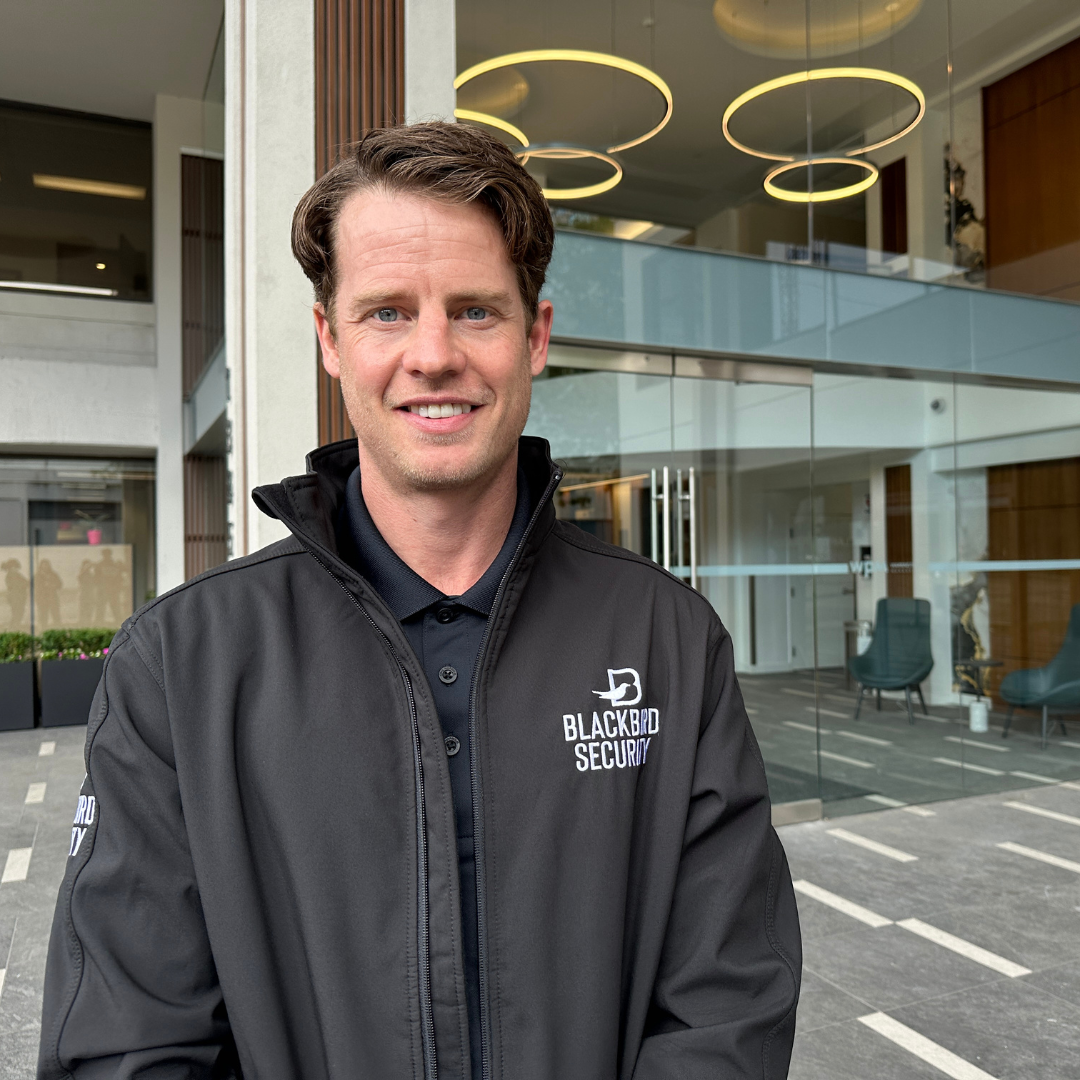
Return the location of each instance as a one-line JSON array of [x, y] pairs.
[[439, 412]]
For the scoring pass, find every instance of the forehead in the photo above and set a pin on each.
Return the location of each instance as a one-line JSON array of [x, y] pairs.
[[385, 234]]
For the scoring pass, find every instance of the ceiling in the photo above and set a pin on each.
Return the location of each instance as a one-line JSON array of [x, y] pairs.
[[689, 172], [106, 56]]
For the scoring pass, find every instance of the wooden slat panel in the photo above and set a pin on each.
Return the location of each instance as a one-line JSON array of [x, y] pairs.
[[1033, 512], [359, 85], [898, 530], [894, 231], [206, 530], [202, 263], [1031, 133]]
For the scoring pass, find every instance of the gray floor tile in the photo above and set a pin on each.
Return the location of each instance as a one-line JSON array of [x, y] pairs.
[[1041, 1038], [853, 1052]]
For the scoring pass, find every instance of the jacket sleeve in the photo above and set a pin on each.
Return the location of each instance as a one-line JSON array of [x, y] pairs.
[[725, 994], [130, 984]]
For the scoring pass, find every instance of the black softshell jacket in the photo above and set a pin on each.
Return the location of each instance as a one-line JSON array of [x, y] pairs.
[[264, 877]]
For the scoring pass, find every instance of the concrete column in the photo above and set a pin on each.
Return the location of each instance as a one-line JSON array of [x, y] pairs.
[[430, 60], [178, 122], [270, 339]]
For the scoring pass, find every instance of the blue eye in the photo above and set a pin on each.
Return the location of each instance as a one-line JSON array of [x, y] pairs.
[[386, 314], [476, 314]]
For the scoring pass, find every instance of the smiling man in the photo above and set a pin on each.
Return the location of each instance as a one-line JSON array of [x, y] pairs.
[[439, 786]]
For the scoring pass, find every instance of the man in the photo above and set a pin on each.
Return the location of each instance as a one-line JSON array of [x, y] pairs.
[[439, 786]]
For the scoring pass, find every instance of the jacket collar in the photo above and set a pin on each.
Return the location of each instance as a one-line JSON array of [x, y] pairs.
[[308, 505]]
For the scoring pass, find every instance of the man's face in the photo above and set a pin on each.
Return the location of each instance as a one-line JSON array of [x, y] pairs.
[[430, 340]]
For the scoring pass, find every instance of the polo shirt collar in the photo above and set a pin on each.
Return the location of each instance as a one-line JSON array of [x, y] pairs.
[[403, 590]]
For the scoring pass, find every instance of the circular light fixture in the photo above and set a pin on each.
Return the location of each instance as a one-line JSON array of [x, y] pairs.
[[777, 28], [578, 56], [574, 153], [817, 75], [492, 121], [829, 194]]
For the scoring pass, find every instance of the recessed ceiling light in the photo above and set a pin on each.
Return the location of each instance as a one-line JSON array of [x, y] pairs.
[[89, 187], [100, 266]]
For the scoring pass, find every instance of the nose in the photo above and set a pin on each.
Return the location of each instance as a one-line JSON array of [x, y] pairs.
[[432, 351]]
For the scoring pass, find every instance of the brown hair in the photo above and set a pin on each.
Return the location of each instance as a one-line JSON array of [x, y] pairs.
[[449, 162]]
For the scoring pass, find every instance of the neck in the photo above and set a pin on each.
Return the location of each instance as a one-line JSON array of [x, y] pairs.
[[448, 537]]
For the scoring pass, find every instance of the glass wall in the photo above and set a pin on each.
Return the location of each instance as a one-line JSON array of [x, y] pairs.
[[921, 139], [75, 203], [76, 542], [915, 537]]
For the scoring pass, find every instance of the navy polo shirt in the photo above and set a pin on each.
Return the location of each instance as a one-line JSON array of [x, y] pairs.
[[445, 633]]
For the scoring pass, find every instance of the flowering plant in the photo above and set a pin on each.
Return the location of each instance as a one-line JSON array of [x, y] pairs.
[[15, 647], [75, 644]]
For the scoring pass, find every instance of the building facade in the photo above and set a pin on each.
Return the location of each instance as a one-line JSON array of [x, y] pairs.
[[817, 334]]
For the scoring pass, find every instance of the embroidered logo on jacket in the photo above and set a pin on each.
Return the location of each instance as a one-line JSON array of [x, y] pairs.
[[616, 738], [619, 692], [84, 816]]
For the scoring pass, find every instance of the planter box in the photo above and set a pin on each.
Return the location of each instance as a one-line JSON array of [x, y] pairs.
[[67, 690], [17, 695]]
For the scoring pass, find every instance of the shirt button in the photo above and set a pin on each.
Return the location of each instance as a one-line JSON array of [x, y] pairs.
[[452, 745], [445, 615], [447, 674]]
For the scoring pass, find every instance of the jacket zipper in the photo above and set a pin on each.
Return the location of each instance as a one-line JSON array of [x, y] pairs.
[[427, 1013], [474, 770]]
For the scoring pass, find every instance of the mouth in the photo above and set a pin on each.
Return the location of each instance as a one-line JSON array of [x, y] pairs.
[[439, 410]]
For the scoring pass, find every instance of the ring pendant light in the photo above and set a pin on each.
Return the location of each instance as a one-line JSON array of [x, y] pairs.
[[828, 194], [819, 74], [493, 121], [579, 56], [574, 153]]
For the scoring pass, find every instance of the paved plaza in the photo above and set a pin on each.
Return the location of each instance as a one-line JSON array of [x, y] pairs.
[[940, 940]]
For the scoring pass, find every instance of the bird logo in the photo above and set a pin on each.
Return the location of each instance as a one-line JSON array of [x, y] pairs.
[[619, 691]]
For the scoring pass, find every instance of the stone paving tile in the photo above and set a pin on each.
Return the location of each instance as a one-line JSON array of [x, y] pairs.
[[962, 883]]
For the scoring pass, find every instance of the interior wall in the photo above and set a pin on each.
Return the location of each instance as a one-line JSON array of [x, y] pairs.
[[1032, 146]]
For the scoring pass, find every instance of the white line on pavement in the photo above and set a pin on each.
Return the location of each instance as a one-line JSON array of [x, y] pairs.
[[1053, 814], [1069, 784], [919, 811], [751, 712], [17, 865], [1071, 745], [1034, 776], [975, 742], [1042, 856], [797, 693], [804, 727], [834, 714], [968, 765], [873, 845], [3, 972], [964, 948], [885, 800], [858, 762], [864, 738], [35, 793], [838, 903], [931, 1052], [48, 747]]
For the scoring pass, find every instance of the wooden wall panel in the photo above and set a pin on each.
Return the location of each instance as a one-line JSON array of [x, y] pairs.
[[898, 530], [1031, 133], [206, 529], [894, 232], [202, 263], [1033, 512], [359, 85]]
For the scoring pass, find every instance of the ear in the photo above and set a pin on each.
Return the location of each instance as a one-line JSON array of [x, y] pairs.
[[539, 336], [327, 345]]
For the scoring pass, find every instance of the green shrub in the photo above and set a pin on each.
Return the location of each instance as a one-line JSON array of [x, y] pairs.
[[15, 647], [74, 644]]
